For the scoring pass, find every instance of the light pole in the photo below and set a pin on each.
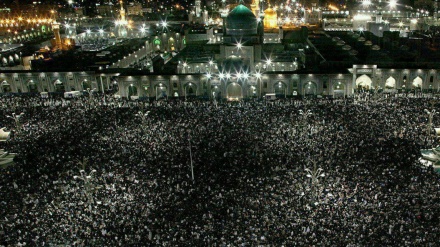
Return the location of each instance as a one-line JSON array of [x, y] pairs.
[[190, 155], [376, 93], [315, 175], [90, 92], [430, 118], [87, 179], [305, 115], [17, 118], [143, 117]]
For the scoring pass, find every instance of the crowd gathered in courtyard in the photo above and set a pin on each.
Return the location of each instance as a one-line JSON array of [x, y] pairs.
[[321, 172]]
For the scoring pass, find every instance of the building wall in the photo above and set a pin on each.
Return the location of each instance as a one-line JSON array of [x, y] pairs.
[[175, 85], [135, 9]]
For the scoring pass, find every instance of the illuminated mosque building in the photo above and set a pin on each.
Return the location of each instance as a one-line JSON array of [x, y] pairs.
[[241, 57]]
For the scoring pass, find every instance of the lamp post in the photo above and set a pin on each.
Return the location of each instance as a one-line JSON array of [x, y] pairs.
[[431, 114], [17, 118], [90, 92], [143, 117], [88, 180], [304, 116], [376, 93], [315, 176], [190, 155]]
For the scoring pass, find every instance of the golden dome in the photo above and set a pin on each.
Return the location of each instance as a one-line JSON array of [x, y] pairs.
[[270, 18], [270, 12]]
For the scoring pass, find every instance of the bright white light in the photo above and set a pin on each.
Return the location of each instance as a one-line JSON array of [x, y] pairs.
[[88, 31], [239, 45], [211, 62], [101, 30], [258, 75], [268, 61], [366, 2], [164, 24], [239, 75], [361, 17], [221, 75], [393, 3], [208, 75], [228, 75], [414, 21], [245, 75], [143, 29], [185, 64], [67, 25]]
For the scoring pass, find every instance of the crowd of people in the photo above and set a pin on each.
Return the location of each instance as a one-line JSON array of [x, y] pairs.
[[197, 173]]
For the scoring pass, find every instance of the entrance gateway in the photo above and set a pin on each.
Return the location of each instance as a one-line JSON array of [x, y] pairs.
[[362, 77]]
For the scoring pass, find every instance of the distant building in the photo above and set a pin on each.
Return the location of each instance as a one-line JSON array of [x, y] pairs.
[[106, 10], [135, 9]]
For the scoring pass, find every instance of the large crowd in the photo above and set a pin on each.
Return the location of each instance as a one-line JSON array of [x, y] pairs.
[[200, 173]]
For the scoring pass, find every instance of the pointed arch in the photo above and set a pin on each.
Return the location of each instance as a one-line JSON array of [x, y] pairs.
[[390, 83], [417, 82], [364, 82]]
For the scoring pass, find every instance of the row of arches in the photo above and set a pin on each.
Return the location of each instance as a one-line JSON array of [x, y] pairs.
[[33, 87], [365, 82]]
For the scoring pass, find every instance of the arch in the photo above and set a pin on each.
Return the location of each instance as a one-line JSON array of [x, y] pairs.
[[252, 91], [59, 86], [114, 86], [417, 83], [310, 88], [216, 92], [6, 87], [364, 82], [86, 84], [280, 89], [234, 91], [338, 89], [171, 44], [190, 89], [132, 91], [32, 86], [157, 43], [390, 83], [161, 91]]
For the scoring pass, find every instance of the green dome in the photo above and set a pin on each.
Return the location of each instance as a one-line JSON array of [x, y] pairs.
[[241, 21]]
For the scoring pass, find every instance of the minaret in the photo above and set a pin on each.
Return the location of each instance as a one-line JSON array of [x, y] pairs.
[[224, 13], [56, 31], [198, 8], [122, 29], [122, 12], [255, 6]]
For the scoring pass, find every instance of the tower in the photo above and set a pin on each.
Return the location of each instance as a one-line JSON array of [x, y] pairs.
[[122, 22], [122, 11], [255, 7], [56, 31], [198, 8]]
